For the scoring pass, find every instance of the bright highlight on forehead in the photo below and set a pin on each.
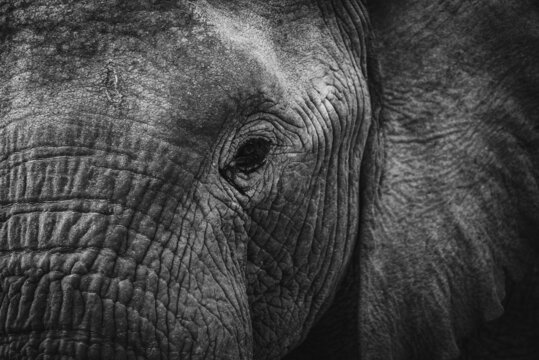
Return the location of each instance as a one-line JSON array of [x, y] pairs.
[[246, 32]]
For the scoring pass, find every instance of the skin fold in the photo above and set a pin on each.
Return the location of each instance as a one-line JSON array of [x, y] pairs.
[[269, 179]]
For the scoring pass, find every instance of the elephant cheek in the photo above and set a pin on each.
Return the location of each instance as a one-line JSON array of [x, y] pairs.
[[93, 302], [95, 266]]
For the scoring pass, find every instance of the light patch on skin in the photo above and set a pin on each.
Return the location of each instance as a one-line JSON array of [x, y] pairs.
[[244, 32], [279, 50]]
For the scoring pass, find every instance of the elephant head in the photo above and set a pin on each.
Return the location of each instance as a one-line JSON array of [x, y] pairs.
[[239, 180], [179, 180]]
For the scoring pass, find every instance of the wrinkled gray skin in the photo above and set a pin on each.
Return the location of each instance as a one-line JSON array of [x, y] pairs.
[[269, 179]]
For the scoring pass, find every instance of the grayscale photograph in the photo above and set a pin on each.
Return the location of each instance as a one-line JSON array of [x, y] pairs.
[[269, 180]]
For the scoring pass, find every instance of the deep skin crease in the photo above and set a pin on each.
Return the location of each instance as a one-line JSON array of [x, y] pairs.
[[270, 179]]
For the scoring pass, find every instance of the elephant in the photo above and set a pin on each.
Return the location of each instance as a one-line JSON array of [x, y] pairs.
[[269, 179]]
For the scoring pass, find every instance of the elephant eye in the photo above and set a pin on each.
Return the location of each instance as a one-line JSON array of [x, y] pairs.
[[251, 155]]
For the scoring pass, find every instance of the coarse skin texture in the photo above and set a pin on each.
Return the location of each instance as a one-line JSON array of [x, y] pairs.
[[178, 180], [452, 241], [270, 179]]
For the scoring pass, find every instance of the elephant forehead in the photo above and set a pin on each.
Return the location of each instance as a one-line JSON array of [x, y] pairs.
[[149, 68], [172, 65]]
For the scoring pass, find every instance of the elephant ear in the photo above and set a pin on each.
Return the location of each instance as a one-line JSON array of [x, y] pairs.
[[452, 236]]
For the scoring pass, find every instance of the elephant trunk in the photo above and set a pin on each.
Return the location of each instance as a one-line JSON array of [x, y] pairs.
[[107, 250]]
